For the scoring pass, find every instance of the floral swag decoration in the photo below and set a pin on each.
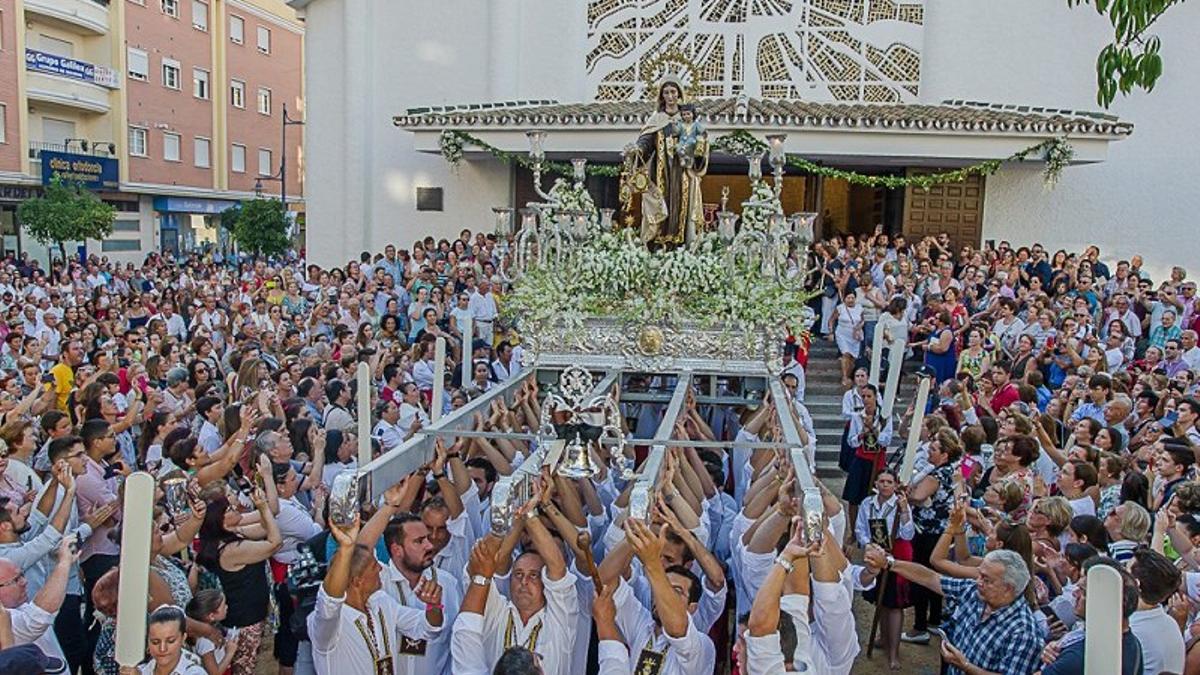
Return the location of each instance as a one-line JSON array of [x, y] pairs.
[[1055, 152]]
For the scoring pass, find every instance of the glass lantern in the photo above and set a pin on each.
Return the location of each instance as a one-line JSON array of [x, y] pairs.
[[504, 222], [537, 138]]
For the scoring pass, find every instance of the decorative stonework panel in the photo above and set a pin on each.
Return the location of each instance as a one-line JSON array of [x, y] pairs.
[[817, 50]]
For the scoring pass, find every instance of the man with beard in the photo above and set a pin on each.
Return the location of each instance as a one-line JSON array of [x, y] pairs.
[[411, 553]]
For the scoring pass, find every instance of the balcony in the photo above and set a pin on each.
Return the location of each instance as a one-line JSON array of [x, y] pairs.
[[58, 90], [104, 149], [89, 15]]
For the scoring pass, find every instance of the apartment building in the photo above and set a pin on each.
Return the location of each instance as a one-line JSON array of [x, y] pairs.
[[171, 110]]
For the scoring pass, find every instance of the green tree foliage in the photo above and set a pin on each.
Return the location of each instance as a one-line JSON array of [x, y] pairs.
[[66, 212], [259, 226], [1132, 58]]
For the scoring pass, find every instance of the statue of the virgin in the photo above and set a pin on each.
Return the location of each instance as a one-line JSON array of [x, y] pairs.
[[672, 206]]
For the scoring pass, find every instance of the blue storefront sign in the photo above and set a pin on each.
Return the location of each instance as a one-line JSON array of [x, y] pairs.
[[75, 69], [93, 173], [192, 205]]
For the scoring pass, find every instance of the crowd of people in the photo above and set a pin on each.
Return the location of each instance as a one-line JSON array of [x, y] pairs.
[[1062, 436]]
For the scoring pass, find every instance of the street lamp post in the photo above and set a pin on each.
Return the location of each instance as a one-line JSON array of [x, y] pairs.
[[287, 122]]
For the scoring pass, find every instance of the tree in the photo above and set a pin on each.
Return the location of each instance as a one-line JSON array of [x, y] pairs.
[[259, 226], [66, 212], [1131, 59]]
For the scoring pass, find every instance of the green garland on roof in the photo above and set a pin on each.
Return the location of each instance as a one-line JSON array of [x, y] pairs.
[[1056, 152]]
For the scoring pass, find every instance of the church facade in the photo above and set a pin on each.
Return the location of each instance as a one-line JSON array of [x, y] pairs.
[[887, 87]]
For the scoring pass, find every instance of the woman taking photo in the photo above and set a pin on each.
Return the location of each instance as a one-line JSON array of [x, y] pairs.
[[241, 565]]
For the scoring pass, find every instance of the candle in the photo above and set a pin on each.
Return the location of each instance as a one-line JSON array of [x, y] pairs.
[[439, 379], [914, 430], [876, 353], [1102, 641], [364, 414], [468, 349], [134, 583], [896, 362]]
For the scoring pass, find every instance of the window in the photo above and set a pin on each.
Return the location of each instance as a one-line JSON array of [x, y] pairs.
[[137, 142], [53, 45], [199, 83], [170, 70], [264, 100], [237, 159], [57, 131], [139, 65], [237, 29], [200, 15], [264, 162], [170, 147], [171, 8], [201, 147], [119, 245], [237, 93], [126, 225], [264, 39], [3, 123]]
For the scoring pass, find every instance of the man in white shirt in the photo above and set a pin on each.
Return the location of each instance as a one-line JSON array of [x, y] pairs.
[[389, 433], [1074, 479], [800, 576], [32, 620], [542, 615], [357, 628], [411, 552], [1163, 648], [1191, 353], [176, 327], [210, 411], [666, 635], [483, 309]]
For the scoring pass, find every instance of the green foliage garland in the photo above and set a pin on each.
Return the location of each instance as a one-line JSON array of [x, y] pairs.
[[742, 143]]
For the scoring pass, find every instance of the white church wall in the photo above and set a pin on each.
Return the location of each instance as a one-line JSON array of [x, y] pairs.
[[1144, 198]]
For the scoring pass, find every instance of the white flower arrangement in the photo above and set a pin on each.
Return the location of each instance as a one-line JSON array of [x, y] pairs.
[[762, 204], [615, 276], [575, 197]]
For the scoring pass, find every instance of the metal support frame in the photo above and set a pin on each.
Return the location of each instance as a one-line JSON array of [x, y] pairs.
[[806, 481], [647, 480], [393, 466]]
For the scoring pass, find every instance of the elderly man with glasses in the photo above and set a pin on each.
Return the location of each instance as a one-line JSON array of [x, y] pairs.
[[993, 628]]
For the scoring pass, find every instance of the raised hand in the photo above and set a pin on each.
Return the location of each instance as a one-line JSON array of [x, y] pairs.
[[345, 537], [428, 591], [646, 544], [796, 548], [875, 557], [483, 557]]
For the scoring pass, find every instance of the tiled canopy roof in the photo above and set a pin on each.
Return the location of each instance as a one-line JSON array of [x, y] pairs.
[[965, 116]]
